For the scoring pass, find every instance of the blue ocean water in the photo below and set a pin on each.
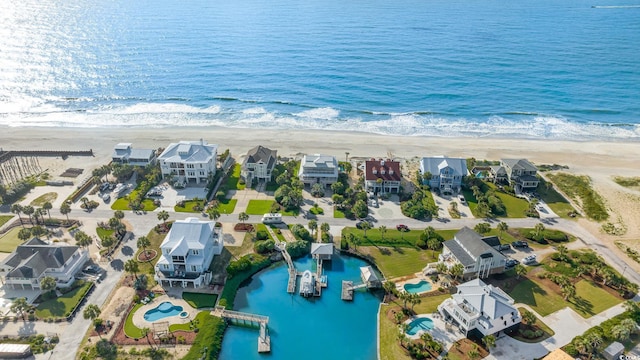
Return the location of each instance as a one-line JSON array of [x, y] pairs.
[[301, 328], [542, 69]]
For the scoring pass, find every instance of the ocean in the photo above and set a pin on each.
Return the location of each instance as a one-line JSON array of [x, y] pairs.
[[507, 69]]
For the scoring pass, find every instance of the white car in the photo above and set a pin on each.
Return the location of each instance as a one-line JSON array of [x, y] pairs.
[[529, 259]]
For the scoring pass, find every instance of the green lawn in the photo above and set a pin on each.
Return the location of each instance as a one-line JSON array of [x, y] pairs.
[[104, 233], [62, 306], [259, 207], [9, 241], [148, 267], [555, 201], [541, 299], [189, 205], [199, 300], [471, 200], [130, 329], [390, 348], [227, 206], [233, 181], [337, 214], [592, 299], [399, 261], [516, 207], [208, 342], [5, 218], [430, 304], [123, 203], [40, 200], [393, 237], [198, 321]]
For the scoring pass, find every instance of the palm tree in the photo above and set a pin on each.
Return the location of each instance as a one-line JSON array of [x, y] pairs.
[[143, 242], [489, 341], [145, 332], [214, 213], [568, 291], [355, 241], [325, 227], [47, 206], [17, 209], [456, 270], [28, 210], [383, 230], [108, 242], [441, 268], [563, 251], [429, 232], [24, 234], [433, 244], [20, 306], [313, 226], [502, 227], [520, 270], [414, 299], [528, 317], [473, 354], [84, 200], [405, 297], [65, 209], [402, 337], [163, 216], [131, 266], [48, 283], [365, 226], [38, 231], [118, 214], [82, 239], [91, 312], [538, 230], [389, 288], [243, 216]]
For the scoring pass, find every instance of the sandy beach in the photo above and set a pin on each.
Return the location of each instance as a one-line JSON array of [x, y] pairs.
[[600, 160]]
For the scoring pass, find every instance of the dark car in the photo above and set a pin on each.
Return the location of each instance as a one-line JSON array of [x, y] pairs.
[[504, 247], [511, 263], [92, 269], [360, 224], [402, 227], [520, 244]]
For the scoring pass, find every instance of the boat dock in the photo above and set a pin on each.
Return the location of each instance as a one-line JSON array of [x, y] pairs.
[[264, 339], [348, 288]]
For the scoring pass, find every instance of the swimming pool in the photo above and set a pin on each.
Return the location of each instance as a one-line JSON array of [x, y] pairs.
[[162, 311], [420, 324], [422, 286]]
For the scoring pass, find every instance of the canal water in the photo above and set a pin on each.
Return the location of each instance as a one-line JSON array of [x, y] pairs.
[[309, 328]]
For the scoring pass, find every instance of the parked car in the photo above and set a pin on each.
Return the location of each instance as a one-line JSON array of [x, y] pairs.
[[360, 224], [520, 244], [511, 263], [106, 197], [104, 187], [504, 247], [402, 227], [92, 269], [462, 200], [529, 259]]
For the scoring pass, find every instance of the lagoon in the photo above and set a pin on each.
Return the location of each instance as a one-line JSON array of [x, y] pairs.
[[310, 328]]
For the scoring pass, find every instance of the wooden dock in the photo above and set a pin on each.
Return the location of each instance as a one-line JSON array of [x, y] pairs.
[[347, 290], [264, 339]]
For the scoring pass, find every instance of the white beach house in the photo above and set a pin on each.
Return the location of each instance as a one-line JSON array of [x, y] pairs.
[[478, 257], [187, 252], [318, 169], [479, 310], [443, 173], [125, 153], [189, 161]]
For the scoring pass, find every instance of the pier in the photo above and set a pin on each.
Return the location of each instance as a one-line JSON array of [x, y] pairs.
[[348, 288], [264, 339]]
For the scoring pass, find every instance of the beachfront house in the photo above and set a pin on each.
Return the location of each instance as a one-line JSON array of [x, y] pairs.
[[443, 174], [478, 310], [35, 259], [125, 153], [187, 252], [498, 174], [259, 164], [382, 176], [478, 258], [318, 169], [522, 173], [189, 161]]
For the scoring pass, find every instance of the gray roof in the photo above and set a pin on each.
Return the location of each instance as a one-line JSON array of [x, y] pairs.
[[368, 274], [319, 161], [522, 164], [467, 245], [436, 163], [32, 258], [189, 151], [614, 349], [321, 249], [261, 153], [498, 170], [492, 241], [141, 154], [188, 234]]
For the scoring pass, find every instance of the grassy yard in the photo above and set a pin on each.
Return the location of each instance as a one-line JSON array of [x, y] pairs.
[[393, 237], [259, 207], [471, 200], [578, 187], [40, 200], [148, 267], [10, 241], [227, 206], [430, 304], [337, 214], [592, 299], [554, 200], [62, 305], [399, 261], [189, 205], [5, 218], [198, 321], [104, 233], [233, 181], [199, 300], [541, 299], [123, 203], [390, 348], [130, 329], [516, 207]]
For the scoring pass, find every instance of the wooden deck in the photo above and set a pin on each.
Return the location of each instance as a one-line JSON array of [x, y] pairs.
[[264, 339], [347, 290]]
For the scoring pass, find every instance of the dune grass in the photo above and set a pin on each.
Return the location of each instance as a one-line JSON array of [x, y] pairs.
[[48, 197], [578, 187]]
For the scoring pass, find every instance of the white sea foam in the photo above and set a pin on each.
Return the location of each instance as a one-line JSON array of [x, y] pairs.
[[325, 113]]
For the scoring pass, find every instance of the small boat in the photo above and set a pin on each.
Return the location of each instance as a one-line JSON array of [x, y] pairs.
[[306, 284]]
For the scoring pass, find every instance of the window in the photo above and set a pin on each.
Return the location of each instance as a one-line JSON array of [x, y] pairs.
[[194, 269], [165, 266], [195, 252]]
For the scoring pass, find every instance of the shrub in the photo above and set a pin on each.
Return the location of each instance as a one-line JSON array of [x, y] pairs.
[[298, 248], [421, 243], [326, 238], [262, 235], [239, 265], [344, 244], [300, 232], [264, 246]]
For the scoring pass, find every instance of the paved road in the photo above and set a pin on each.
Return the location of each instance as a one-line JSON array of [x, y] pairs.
[[141, 223]]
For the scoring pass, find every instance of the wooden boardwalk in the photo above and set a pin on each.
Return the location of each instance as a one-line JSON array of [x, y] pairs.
[[264, 339], [347, 290]]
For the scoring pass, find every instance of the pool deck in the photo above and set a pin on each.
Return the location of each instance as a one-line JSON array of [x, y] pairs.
[[416, 279], [138, 316], [441, 332]]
